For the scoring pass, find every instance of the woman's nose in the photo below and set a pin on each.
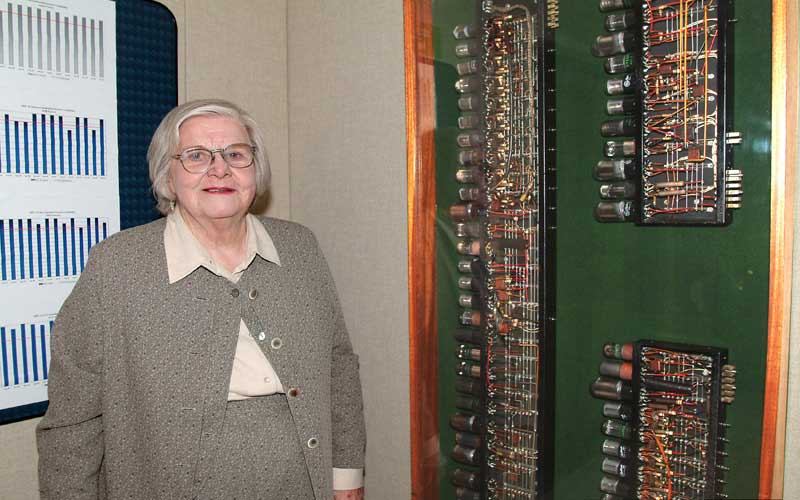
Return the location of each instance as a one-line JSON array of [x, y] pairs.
[[218, 166]]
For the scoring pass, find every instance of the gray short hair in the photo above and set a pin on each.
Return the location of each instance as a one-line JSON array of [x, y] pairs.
[[166, 139]]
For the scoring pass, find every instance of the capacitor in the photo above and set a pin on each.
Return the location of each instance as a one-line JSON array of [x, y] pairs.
[[468, 352], [610, 388], [467, 494], [609, 5], [624, 84], [472, 194], [616, 43], [468, 386], [614, 211], [462, 212], [470, 175], [469, 283], [614, 448], [467, 67], [617, 429], [616, 368], [469, 247], [464, 31], [465, 455], [615, 466], [466, 402], [469, 139], [621, 411], [615, 170], [471, 318], [469, 229], [615, 486], [465, 369], [619, 21], [465, 422], [473, 266], [470, 157], [615, 149], [469, 300], [621, 63], [468, 121], [468, 439], [468, 335], [467, 84], [622, 105], [613, 350], [466, 479], [618, 191], [467, 48], [619, 128]]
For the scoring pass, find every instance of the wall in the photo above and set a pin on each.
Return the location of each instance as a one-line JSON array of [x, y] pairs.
[[348, 183]]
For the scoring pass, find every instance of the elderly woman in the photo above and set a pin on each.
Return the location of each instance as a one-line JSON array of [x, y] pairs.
[[204, 355]]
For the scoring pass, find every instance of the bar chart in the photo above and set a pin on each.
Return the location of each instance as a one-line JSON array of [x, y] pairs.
[[47, 248], [24, 353], [51, 144], [51, 41]]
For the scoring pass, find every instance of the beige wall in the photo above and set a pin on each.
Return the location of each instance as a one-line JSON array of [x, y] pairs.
[[348, 183], [325, 80]]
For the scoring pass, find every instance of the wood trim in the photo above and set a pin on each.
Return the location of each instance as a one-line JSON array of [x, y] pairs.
[[784, 122], [423, 342]]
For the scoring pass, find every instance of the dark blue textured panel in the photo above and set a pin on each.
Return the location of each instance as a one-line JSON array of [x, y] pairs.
[[147, 87]]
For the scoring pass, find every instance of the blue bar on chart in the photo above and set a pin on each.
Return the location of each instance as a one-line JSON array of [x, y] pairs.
[[41, 144], [48, 248], [24, 353]]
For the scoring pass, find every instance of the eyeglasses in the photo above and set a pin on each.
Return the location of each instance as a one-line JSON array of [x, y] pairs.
[[198, 160]]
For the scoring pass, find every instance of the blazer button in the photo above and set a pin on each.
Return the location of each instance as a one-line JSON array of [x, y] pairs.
[[235, 292], [253, 294], [293, 392], [312, 443], [276, 343]]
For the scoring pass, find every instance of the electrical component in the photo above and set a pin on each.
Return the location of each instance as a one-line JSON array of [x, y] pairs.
[[665, 440], [674, 99], [505, 220]]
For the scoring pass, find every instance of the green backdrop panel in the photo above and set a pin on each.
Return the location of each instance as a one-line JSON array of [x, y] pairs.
[[619, 282]]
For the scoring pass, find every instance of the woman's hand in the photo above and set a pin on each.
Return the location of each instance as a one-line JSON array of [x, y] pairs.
[[357, 494]]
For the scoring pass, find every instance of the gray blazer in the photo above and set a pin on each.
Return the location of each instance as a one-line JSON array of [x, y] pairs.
[[140, 368]]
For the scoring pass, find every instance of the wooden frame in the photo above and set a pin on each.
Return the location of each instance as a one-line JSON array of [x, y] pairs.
[[420, 123], [784, 158], [423, 343]]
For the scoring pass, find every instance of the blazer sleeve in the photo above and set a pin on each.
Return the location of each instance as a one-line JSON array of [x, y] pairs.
[[347, 406], [70, 436]]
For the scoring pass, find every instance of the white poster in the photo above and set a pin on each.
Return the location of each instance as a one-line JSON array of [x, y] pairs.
[[59, 182]]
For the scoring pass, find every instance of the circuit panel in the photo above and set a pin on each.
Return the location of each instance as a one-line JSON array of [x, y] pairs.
[[666, 420], [506, 196], [670, 153]]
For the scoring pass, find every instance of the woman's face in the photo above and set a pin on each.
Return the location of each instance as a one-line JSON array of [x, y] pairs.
[[222, 192]]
